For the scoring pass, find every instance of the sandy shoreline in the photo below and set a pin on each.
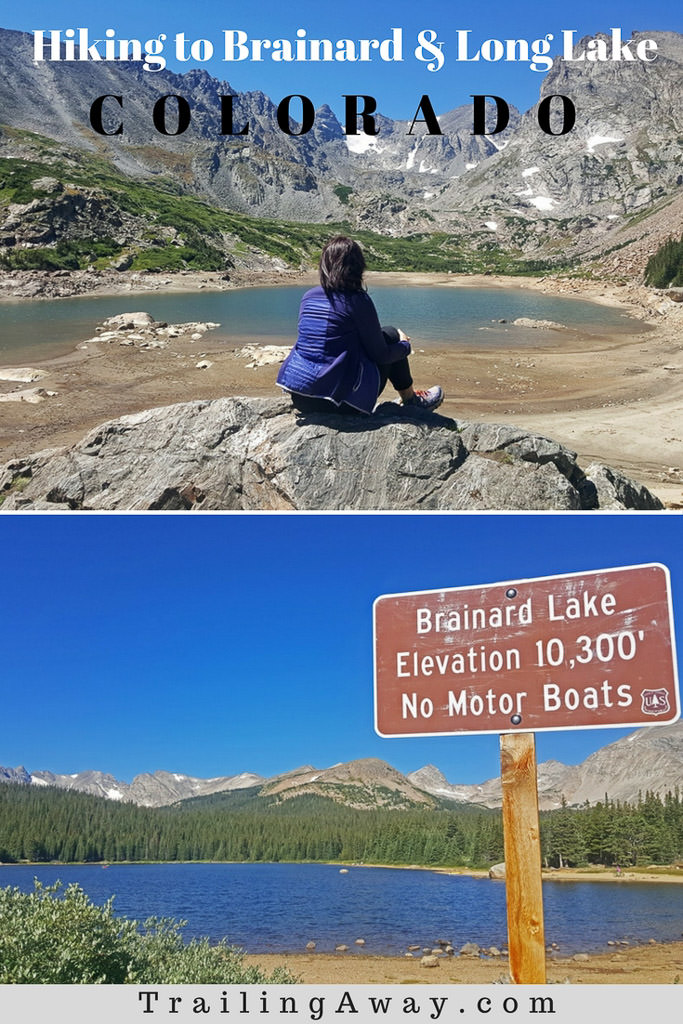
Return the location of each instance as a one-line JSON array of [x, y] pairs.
[[615, 399], [581, 875], [658, 964]]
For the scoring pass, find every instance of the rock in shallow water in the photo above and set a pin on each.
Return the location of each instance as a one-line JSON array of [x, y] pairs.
[[258, 454]]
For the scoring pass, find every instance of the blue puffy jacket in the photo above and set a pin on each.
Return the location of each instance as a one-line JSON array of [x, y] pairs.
[[338, 350]]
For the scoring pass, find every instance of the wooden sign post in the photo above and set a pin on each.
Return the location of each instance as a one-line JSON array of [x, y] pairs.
[[522, 840], [581, 651]]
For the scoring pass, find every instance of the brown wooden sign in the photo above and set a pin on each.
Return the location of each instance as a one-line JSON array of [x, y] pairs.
[[580, 651]]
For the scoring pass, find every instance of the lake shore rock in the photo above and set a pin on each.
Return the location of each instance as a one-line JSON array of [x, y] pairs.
[[661, 964], [258, 454]]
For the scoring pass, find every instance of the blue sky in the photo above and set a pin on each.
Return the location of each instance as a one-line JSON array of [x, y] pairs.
[[213, 645], [397, 86]]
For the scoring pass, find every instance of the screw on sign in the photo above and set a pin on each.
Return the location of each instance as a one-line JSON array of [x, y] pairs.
[[579, 651]]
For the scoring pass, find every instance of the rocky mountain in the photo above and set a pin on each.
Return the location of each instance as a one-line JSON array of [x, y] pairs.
[[15, 775], [553, 783], [265, 172], [148, 790], [646, 760], [257, 453], [530, 193], [649, 759], [365, 783], [622, 159]]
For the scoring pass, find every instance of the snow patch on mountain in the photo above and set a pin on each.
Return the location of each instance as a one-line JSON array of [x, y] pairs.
[[600, 140]]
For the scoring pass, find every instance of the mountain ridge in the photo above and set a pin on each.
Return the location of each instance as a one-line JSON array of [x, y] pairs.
[[521, 191], [647, 760]]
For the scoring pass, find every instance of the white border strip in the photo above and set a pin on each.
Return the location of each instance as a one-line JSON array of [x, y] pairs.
[[392, 1004]]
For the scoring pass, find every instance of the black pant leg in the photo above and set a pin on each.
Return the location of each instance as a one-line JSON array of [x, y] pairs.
[[399, 372]]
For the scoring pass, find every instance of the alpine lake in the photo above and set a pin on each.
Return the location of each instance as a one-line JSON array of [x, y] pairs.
[[434, 316], [280, 907]]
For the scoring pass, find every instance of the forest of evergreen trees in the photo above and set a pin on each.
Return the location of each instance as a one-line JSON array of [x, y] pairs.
[[56, 825]]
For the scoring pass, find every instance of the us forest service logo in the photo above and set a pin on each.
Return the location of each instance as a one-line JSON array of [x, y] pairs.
[[655, 702]]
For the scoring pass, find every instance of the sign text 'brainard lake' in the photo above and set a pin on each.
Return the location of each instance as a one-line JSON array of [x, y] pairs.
[[585, 650]]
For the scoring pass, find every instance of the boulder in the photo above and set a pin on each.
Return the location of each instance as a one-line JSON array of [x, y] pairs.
[[142, 329], [30, 395], [470, 949], [128, 321], [258, 454], [525, 321], [497, 871], [47, 184], [264, 355], [21, 374], [614, 491]]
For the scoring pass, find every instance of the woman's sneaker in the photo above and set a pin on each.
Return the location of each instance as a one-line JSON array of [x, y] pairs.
[[428, 400]]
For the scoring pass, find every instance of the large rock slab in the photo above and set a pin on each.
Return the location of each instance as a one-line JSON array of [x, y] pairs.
[[258, 454]]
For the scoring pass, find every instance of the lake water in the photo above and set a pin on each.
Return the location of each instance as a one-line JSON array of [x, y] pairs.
[[281, 907], [33, 330]]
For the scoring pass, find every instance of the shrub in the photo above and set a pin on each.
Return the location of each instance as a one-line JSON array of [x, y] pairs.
[[65, 255], [665, 268], [50, 936], [342, 193]]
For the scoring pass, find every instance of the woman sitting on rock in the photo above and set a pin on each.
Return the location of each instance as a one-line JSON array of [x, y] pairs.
[[342, 358]]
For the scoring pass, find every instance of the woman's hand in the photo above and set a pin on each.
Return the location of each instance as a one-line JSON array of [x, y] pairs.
[[402, 336]]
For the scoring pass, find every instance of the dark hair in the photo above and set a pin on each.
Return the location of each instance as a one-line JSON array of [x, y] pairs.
[[342, 265]]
